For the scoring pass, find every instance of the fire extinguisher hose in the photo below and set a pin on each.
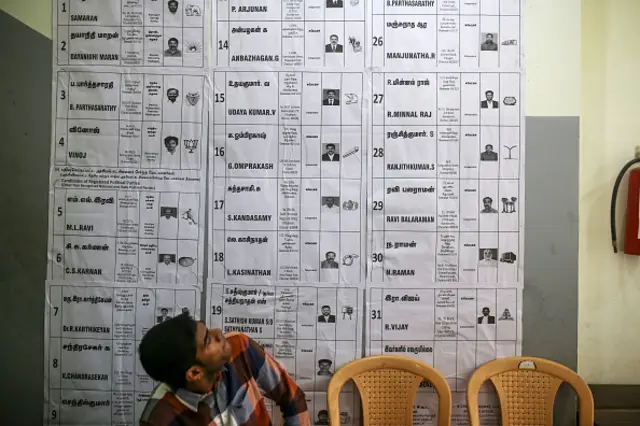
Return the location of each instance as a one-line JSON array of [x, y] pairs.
[[614, 198]]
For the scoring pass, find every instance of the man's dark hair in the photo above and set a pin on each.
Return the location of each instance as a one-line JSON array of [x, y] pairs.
[[173, 39], [325, 306], [168, 350], [331, 145]]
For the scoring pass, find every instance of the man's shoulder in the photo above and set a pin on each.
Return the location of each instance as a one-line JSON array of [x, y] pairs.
[[239, 342], [162, 408]]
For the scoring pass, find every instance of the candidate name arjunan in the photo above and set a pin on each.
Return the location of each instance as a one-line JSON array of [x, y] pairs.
[[249, 217]]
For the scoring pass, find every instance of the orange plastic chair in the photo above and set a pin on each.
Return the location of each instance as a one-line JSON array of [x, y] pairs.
[[387, 386], [526, 388]]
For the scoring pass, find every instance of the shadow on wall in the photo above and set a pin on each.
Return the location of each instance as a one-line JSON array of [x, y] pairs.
[[25, 108]]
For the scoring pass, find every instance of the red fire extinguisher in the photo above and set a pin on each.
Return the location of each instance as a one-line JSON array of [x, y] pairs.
[[632, 225]]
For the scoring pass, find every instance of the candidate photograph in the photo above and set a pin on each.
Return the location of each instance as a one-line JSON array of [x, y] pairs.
[[331, 152], [333, 46], [331, 97], [486, 318], [326, 315], [489, 103], [489, 43]]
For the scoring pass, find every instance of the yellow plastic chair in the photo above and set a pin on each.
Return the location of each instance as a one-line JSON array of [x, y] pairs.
[[387, 386], [526, 388]]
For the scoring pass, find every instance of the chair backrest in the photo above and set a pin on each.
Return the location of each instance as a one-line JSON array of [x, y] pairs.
[[387, 386], [527, 388]]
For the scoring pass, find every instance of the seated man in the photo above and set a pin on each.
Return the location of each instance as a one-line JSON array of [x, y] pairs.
[[207, 379]]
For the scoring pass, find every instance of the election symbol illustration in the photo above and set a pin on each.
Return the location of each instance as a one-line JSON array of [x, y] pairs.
[[351, 98], [188, 216], [350, 152], [509, 205], [194, 47], [509, 101], [192, 10], [193, 98], [350, 205], [508, 257], [506, 316], [354, 2], [191, 145], [355, 44], [510, 148], [186, 261], [348, 259], [347, 310]]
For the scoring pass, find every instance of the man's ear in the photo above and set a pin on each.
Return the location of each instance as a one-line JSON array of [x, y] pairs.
[[194, 373]]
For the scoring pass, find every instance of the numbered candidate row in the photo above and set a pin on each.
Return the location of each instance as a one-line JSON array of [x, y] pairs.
[[125, 260], [448, 152], [288, 151], [133, 97], [120, 213], [132, 13], [129, 144], [408, 38], [428, 99], [262, 257], [455, 314], [294, 98], [428, 205], [287, 205], [397, 258], [327, 43]]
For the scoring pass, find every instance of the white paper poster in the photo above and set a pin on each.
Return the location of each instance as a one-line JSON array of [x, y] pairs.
[[345, 150], [455, 330], [127, 201], [431, 35], [446, 181], [311, 330], [92, 370], [287, 196]]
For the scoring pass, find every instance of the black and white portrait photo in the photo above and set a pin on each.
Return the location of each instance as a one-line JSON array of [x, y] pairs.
[[489, 42], [487, 205], [486, 318], [488, 257], [172, 94], [333, 46], [173, 50], [326, 315], [171, 144], [172, 5], [324, 367], [163, 314], [489, 103], [322, 418], [330, 152], [167, 259], [331, 204], [488, 154], [169, 212], [335, 3], [329, 261], [331, 97]]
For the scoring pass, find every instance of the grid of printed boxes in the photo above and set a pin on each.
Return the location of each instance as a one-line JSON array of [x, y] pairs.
[[347, 173]]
